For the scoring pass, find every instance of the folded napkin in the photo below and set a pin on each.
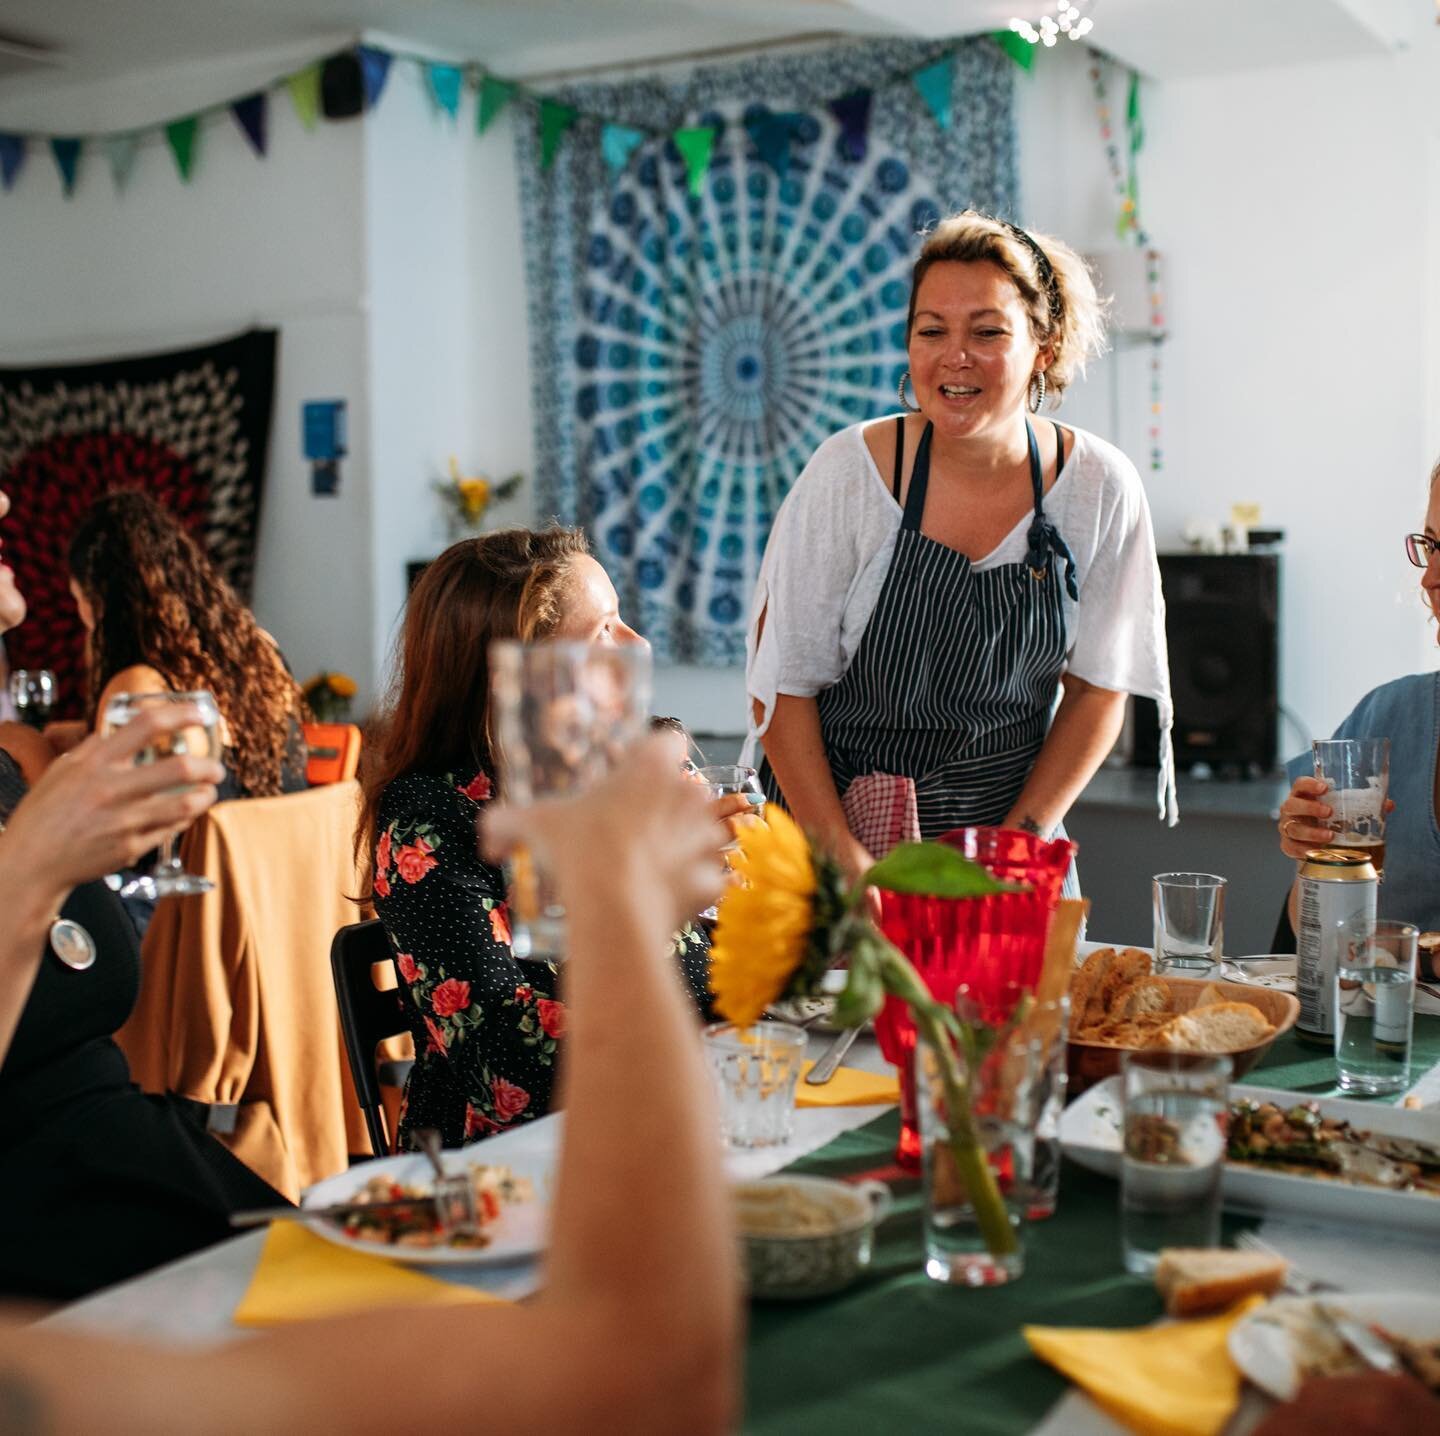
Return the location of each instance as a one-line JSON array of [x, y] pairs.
[[849, 1087], [1174, 1379], [301, 1276]]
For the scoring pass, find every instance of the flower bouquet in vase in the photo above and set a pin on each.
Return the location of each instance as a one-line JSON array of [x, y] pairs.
[[792, 916], [467, 497]]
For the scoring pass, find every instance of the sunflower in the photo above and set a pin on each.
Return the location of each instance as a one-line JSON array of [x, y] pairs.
[[763, 932]]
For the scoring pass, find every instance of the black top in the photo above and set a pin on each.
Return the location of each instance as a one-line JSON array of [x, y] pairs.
[[101, 1182], [488, 1028]]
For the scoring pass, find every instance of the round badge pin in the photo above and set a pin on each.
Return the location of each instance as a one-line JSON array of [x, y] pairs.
[[72, 944]]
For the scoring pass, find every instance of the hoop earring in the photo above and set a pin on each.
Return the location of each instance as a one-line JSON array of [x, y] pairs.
[[904, 402], [1037, 391]]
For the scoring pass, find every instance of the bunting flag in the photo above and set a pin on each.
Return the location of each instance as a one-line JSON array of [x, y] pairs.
[[250, 116], [617, 144], [374, 71], [304, 87], [1016, 46], [67, 160], [772, 136], [12, 158], [853, 113], [933, 82], [120, 151], [444, 82], [696, 144], [494, 96], [180, 135], [555, 119]]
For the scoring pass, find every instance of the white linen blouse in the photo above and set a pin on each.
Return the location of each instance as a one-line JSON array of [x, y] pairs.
[[830, 549]]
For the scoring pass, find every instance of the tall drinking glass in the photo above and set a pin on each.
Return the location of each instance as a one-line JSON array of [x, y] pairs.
[[168, 877], [1189, 921], [1374, 1005], [562, 714], [1358, 772], [723, 779], [32, 691], [1176, 1114]]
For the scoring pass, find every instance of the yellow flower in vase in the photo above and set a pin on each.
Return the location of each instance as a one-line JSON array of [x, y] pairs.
[[474, 498]]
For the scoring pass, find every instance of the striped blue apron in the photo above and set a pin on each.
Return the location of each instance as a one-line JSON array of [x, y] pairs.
[[955, 676]]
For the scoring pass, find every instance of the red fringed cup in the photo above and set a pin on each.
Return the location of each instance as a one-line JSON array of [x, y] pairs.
[[989, 949]]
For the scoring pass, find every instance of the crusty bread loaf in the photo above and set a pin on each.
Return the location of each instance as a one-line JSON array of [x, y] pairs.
[[1194, 1279], [1217, 1027], [1139, 999]]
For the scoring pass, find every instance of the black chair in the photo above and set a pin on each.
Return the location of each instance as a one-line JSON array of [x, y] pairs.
[[368, 1015]]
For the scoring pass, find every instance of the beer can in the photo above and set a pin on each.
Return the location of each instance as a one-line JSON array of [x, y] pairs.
[[1336, 885]]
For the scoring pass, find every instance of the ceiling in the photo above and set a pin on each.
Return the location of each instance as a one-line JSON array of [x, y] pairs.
[[93, 42]]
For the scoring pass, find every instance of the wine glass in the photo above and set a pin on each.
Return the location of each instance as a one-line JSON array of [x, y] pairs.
[[168, 877], [32, 691]]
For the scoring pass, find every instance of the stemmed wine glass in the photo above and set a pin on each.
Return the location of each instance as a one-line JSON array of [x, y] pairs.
[[32, 691], [168, 877]]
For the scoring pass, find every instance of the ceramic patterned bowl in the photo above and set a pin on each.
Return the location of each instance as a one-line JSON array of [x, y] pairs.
[[807, 1236]]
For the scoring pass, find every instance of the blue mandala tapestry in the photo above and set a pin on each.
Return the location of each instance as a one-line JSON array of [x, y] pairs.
[[690, 351]]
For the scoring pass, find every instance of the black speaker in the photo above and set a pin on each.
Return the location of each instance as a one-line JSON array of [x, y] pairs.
[[1222, 625]]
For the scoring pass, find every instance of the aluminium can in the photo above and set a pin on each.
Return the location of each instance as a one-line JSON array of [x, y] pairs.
[[1336, 885]]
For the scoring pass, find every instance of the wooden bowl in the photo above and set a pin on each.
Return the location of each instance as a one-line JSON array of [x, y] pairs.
[[1092, 1062]]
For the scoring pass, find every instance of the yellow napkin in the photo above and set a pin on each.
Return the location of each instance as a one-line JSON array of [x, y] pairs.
[[301, 1276], [849, 1087], [1175, 1379]]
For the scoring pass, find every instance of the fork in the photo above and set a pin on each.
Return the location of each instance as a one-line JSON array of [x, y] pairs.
[[454, 1196], [1296, 1282]]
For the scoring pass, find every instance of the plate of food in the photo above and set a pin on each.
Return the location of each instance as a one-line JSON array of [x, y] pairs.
[[1329, 1159], [1118, 1005], [511, 1201], [1279, 1345]]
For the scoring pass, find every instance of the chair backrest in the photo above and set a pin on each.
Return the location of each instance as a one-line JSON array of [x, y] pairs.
[[368, 1013], [333, 752]]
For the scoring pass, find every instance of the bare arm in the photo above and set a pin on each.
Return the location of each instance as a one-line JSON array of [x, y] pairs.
[[1084, 730], [637, 1328]]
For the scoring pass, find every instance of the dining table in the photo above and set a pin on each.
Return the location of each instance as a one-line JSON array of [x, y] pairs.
[[897, 1350]]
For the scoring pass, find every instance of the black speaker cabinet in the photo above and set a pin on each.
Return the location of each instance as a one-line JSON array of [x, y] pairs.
[[1222, 624]]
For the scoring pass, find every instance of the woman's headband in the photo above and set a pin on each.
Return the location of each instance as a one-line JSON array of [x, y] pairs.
[[1042, 263]]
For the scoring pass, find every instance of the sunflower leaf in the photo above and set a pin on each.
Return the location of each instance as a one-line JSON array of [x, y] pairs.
[[934, 870], [863, 997]]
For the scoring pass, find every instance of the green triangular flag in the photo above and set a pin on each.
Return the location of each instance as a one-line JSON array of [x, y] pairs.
[[494, 96], [555, 119], [304, 88], [1016, 46], [121, 150], [696, 146], [181, 135]]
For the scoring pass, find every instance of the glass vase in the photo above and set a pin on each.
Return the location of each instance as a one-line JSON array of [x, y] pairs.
[[992, 948]]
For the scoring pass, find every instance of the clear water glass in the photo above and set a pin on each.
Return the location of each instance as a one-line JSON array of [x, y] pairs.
[[1176, 1109], [723, 779], [562, 714], [1045, 1031], [1189, 921], [1374, 1005], [1358, 772], [168, 877], [32, 691], [755, 1071]]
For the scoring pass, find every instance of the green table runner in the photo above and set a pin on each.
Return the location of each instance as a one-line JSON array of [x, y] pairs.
[[898, 1352]]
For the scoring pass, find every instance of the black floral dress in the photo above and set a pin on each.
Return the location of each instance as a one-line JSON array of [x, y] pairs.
[[488, 1029]]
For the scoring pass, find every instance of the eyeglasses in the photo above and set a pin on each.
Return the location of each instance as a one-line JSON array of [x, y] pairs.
[[1419, 547]]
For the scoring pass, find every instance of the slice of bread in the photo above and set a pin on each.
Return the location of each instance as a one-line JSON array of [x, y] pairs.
[[1129, 966], [1085, 985], [1194, 1279], [1139, 999], [1217, 1027], [1211, 992]]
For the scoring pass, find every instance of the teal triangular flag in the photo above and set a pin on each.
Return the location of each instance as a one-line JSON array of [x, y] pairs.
[[617, 144], [696, 145], [67, 160], [445, 81], [121, 150], [933, 82]]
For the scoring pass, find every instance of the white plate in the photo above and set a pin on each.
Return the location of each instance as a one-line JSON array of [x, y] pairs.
[[1090, 1134], [518, 1234], [1276, 972], [1263, 1351]]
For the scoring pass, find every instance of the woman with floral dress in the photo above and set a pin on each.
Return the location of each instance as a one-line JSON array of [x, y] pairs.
[[488, 1029]]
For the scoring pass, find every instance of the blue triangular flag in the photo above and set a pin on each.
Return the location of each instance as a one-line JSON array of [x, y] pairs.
[[374, 71], [67, 158], [250, 116], [12, 157], [853, 113], [445, 83], [617, 144], [772, 136], [933, 82]]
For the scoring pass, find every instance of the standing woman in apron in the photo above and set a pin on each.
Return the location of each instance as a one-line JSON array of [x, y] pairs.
[[934, 582]]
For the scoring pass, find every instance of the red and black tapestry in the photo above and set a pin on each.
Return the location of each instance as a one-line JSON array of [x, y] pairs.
[[190, 427]]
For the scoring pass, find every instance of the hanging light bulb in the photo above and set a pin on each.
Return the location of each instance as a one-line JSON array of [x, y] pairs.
[[1067, 20]]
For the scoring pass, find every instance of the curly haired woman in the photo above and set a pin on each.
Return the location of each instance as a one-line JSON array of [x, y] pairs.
[[161, 618]]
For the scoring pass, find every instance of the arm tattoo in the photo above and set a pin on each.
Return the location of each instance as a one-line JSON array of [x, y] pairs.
[[1027, 824]]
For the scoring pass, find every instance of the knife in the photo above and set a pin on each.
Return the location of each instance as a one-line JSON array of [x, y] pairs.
[[1373, 1350], [260, 1216]]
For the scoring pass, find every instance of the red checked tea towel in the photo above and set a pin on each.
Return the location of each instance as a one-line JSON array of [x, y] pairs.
[[880, 809]]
